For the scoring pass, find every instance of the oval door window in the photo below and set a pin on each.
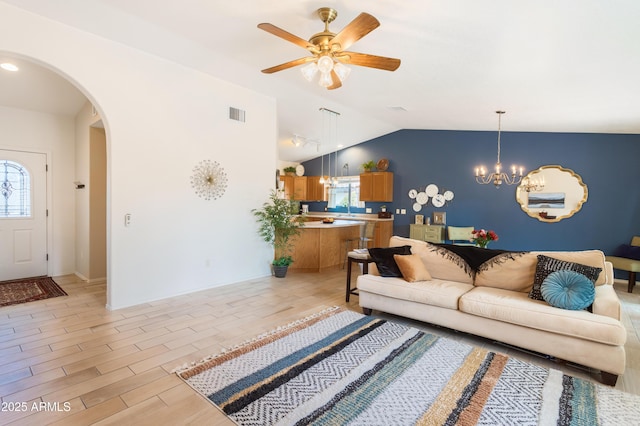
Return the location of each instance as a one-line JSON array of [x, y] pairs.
[[15, 190]]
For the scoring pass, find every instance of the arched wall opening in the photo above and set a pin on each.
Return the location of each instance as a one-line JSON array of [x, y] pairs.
[[76, 243]]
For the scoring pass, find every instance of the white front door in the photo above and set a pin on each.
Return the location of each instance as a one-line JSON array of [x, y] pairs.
[[23, 214]]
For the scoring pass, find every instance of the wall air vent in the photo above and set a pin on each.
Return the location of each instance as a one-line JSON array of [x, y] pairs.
[[237, 114]]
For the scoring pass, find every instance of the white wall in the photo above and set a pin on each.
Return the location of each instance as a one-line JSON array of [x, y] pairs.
[[161, 120], [83, 120], [54, 136]]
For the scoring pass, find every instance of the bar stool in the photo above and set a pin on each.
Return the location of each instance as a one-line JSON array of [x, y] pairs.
[[356, 257], [367, 233]]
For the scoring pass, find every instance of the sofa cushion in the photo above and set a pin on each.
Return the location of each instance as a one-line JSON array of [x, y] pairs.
[[628, 251], [568, 290], [383, 257], [412, 268], [441, 263], [510, 271], [444, 294], [546, 265], [516, 308]]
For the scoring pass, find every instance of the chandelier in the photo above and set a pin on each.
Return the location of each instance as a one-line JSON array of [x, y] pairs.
[[498, 177], [532, 185]]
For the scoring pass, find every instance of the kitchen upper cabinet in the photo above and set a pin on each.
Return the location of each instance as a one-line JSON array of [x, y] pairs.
[[299, 188], [315, 189], [303, 188], [376, 186]]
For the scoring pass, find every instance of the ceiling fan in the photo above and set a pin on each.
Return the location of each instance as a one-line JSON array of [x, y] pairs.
[[328, 49]]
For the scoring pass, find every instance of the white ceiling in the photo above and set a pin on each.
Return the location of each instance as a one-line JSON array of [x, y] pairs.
[[569, 66]]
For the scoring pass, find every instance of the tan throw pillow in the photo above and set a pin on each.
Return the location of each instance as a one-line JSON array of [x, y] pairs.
[[412, 268]]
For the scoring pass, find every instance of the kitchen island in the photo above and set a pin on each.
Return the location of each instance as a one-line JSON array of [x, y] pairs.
[[320, 246]]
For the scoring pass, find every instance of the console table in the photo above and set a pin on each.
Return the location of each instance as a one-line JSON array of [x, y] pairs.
[[429, 233]]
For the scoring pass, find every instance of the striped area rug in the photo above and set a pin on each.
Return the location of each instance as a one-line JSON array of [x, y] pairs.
[[339, 367]]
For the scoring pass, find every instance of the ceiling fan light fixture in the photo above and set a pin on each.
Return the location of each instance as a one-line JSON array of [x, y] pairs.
[[325, 64], [342, 70], [325, 79], [309, 71]]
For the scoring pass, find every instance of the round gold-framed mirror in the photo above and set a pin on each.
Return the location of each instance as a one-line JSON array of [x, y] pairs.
[[551, 193]]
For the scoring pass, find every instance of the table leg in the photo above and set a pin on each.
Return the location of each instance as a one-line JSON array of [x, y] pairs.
[[632, 281], [349, 262]]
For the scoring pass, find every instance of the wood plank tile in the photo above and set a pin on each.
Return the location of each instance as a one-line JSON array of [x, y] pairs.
[[94, 414], [113, 390]]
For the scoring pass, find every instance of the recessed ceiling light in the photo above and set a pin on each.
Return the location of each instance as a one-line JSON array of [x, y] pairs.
[[9, 66]]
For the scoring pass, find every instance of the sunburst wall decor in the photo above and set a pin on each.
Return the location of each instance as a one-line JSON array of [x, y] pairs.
[[209, 180]]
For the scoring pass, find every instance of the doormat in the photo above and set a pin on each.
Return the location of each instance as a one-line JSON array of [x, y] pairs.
[[25, 290], [340, 367]]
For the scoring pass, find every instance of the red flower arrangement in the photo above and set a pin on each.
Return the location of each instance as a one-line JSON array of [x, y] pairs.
[[481, 238]]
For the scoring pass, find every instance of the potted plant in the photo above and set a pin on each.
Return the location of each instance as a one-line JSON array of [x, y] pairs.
[[368, 166], [277, 225], [290, 171]]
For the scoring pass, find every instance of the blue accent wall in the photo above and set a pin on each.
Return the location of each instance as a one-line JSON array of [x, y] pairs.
[[609, 165]]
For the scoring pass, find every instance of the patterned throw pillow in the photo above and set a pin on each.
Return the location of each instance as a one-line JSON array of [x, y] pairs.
[[568, 290], [383, 257], [546, 265]]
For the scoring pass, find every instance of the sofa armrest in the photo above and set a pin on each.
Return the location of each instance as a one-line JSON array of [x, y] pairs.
[[608, 270], [607, 302]]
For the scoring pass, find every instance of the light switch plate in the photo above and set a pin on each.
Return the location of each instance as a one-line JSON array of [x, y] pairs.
[[403, 211], [368, 210]]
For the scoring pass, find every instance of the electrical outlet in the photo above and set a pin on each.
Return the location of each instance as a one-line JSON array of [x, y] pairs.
[[403, 211], [397, 211], [127, 219], [368, 210]]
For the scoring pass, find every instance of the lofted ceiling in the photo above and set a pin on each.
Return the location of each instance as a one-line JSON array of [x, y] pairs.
[[569, 66]]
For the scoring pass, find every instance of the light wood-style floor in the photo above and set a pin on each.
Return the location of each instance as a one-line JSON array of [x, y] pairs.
[[115, 367]]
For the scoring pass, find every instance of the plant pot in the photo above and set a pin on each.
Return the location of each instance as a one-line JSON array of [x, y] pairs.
[[280, 271]]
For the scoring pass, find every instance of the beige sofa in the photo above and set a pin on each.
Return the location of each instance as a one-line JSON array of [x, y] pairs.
[[493, 302]]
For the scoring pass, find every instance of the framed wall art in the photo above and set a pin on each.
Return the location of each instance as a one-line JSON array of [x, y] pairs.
[[439, 218]]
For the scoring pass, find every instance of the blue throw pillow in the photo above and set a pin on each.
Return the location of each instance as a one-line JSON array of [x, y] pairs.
[[568, 290], [628, 251]]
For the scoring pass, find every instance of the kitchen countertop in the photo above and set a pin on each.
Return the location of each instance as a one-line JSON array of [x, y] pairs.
[[317, 224], [349, 217]]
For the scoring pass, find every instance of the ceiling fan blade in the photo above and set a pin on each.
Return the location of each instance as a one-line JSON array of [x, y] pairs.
[[270, 28], [336, 81], [362, 25], [289, 64], [371, 61]]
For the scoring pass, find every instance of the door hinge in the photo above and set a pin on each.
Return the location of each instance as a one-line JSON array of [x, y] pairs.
[[46, 167], [47, 212], [47, 257]]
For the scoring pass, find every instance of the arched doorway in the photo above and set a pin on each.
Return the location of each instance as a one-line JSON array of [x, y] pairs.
[[43, 111]]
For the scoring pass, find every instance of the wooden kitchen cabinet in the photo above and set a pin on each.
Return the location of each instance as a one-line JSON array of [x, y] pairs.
[[376, 186], [295, 187], [383, 233], [315, 189], [299, 188]]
